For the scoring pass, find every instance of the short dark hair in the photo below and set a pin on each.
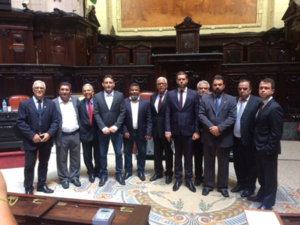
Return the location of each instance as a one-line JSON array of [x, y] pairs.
[[181, 73], [245, 80], [108, 76], [64, 83], [134, 85], [219, 77], [269, 80]]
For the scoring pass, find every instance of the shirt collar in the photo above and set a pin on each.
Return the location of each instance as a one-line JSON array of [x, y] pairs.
[[219, 96], [87, 101], [35, 100], [163, 93], [266, 101], [61, 101], [185, 90], [111, 94], [240, 100]]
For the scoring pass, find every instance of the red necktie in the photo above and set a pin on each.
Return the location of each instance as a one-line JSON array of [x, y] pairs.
[[181, 99], [90, 109], [159, 103]]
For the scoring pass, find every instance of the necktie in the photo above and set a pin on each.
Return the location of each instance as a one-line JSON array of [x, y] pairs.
[[181, 99], [260, 107], [90, 111], [159, 103], [40, 115], [237, 125], [217, 104]]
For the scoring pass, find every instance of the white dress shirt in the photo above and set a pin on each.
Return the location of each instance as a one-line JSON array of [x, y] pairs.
[[135, 112], [157, 100], [36, 102], [69, 117], [109, 100], [184, 93]]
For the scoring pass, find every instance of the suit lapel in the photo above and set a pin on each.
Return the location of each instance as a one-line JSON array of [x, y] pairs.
[[83, 107], [114, 100], [249, 105], [176, 97], [45, 106], [223, 103], [163, 102], [128, 106], [102, 99], [154, 97], [264, 109], [212, 103], [57, 105], [33, 106]]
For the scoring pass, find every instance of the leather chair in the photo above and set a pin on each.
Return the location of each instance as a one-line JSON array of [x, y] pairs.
[[146, 95], [15, 100]]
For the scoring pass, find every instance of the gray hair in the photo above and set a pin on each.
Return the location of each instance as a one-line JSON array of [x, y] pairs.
[[91, 86], [204, 82], [165, 79], [39, 81]]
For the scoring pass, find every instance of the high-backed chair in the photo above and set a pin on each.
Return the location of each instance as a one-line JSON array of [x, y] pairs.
[[15, 100], [146, 95]]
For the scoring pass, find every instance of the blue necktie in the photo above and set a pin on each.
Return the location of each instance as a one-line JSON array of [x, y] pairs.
[[217, 104], [40, 115]]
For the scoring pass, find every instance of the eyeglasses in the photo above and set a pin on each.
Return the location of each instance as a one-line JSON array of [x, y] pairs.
[[160, 84], [39, 88], [203, 88]]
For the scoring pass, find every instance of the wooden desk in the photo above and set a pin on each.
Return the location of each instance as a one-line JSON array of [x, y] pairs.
[[34, 209]]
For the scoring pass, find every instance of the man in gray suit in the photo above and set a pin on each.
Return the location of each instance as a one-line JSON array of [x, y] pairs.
[[109, 113], [217, 115], [67, 137]]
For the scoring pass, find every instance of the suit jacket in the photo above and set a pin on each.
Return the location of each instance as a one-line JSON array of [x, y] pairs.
[[58, 134], [87, 132], [27, 122], [113, 117], [182, 121], [144, 119], [158, 119], [225, 121], [269, 127], [248, 120]]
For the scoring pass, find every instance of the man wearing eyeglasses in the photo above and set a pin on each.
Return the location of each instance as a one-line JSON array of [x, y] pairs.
[[161, 144], [38, 121], [202, 89]]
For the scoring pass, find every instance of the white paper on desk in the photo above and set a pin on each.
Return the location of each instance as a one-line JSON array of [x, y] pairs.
[[261, 218]]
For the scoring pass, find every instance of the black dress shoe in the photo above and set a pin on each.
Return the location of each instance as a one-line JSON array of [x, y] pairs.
[[120, 179], [29, 191], [247, 193], [205, 191], [45, 189], [263, 207], [190, 186], [141, 176], [155, 177], [198, 181], [102, 181], [238, 188], [127, 175], [224, 192], [255, 199], [168, 179], [65, 184], [177, 185], [76, 182], [92, 178]]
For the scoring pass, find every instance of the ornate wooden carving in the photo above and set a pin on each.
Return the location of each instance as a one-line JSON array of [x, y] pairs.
[[141, 55], [99, 55], [187, 36], [233, 52], [120, 55], [281, 51], [257, 52]]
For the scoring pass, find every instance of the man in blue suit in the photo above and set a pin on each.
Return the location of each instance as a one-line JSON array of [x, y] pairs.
[[88, 133], [38, 121], [217, 115], [181, 123], [137, 128]]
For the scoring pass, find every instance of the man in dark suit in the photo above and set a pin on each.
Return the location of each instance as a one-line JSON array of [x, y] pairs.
[[158, 108], [217, 115], [109, 113], [202, 89], [267, 134], [38, 121], [67, 137], [88, 132], [181, 123], [137, 128], [243, 152]]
